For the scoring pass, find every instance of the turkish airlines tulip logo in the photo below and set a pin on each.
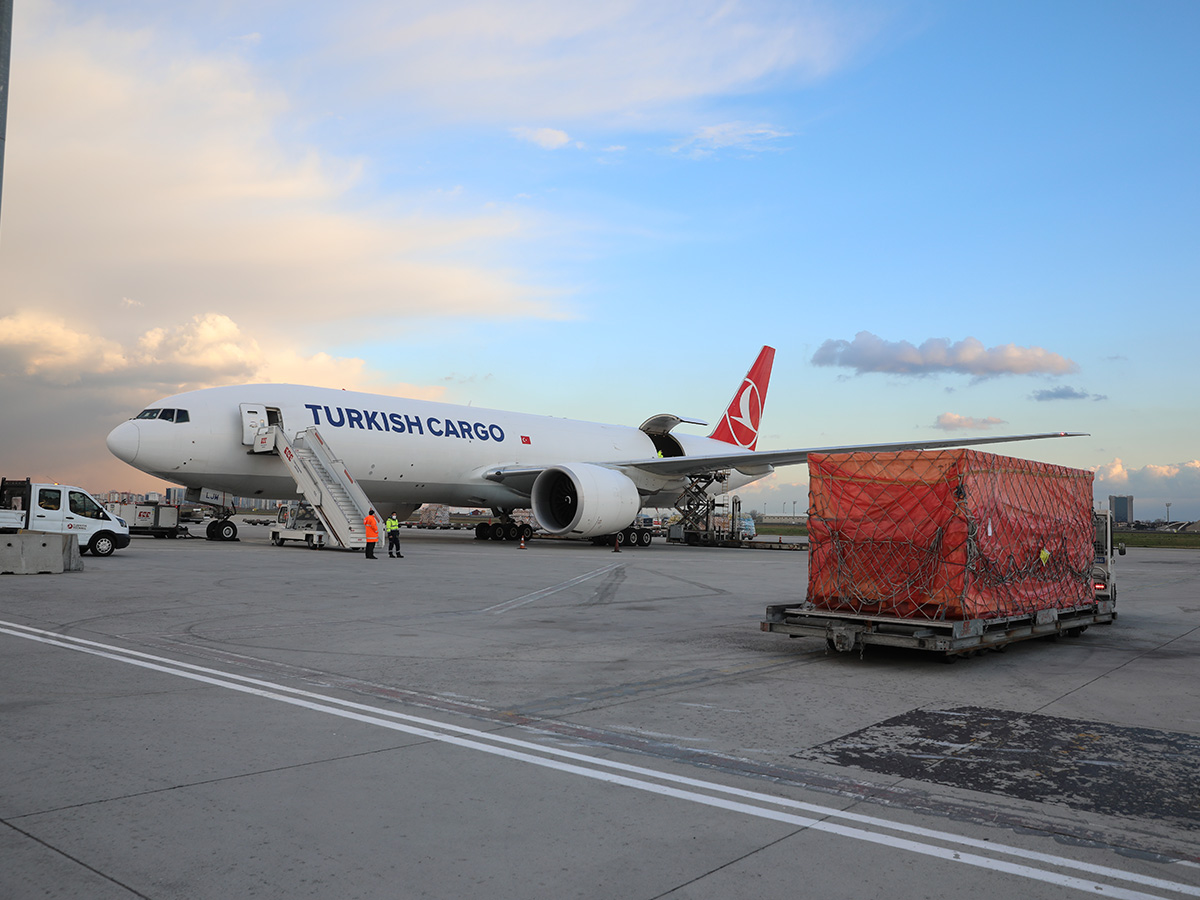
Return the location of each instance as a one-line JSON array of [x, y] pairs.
[[743, 415]]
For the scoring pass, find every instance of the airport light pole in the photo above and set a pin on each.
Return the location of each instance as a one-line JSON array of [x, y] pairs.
[[1168, 512], [6, 12]]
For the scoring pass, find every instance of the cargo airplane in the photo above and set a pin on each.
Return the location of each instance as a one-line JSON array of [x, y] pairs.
[[581, 479]]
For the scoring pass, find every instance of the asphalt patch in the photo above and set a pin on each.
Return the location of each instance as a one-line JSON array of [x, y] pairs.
[[1088, 766]]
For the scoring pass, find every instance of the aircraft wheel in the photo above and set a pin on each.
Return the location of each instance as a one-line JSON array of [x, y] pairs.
[[644, 537], [226, 530], [483, 531], [628, 538], [497, 531], [211, 531], [526, 531], [512, 531], [102, 544]]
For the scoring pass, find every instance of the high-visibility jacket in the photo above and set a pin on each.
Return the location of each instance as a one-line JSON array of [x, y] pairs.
[[392, 524], [372, 528]]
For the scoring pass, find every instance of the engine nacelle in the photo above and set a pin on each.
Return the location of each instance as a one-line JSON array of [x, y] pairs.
[[583, 500]]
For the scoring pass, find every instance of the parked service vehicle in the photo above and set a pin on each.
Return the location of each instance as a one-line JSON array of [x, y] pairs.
[[161, 520], [297, 521], [61, 509], [1104, 578]]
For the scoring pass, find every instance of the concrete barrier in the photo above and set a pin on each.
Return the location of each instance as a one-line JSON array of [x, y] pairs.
[[34, 553]]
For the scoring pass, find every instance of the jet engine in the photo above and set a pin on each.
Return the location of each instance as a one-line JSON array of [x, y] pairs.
[[584, 500]]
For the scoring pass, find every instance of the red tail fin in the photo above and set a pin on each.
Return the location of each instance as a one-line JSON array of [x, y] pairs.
[[739, 425]]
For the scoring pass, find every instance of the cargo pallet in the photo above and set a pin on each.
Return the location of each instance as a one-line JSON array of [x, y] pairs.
[[846, 631]]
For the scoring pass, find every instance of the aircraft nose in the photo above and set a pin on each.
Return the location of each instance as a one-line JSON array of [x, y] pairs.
[[123, 441]]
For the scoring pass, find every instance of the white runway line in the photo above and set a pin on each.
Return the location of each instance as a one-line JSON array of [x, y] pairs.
[[472, 739]]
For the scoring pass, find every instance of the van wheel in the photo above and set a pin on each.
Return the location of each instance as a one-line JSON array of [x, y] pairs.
[[102, 544]]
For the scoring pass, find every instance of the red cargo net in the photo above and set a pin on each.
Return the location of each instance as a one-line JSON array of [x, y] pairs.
[[950, 534]]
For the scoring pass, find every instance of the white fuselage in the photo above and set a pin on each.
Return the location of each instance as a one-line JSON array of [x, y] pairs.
[[402, 452]]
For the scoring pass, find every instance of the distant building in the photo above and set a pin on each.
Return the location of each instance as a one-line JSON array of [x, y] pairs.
[[1122, 508]]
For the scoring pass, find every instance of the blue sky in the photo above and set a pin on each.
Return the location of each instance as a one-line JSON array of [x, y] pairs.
[[605, 212]]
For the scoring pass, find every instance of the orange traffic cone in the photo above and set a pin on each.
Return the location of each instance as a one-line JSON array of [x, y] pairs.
[[522, 547]]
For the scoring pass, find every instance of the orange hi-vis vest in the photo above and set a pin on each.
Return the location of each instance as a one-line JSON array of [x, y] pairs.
[[372, 528]]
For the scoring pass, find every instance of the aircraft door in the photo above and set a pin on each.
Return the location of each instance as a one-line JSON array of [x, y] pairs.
[[256, 416]]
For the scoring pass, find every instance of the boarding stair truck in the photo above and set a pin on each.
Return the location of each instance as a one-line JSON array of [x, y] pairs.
[[952, 551], [323, 479], [61, 509]]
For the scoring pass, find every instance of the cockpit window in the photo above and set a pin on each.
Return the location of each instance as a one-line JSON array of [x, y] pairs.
[[170, 415]]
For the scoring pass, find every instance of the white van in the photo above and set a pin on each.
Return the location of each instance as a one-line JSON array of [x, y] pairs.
[[61, 509]]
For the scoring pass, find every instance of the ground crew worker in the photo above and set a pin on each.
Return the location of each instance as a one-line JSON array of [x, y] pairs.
[[392, 525], [371, 527]]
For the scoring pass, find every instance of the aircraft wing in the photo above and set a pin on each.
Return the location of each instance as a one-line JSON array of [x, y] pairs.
[[758, 462]]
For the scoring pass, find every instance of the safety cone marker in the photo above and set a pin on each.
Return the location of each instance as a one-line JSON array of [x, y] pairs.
[[616, 543], [522, 547]]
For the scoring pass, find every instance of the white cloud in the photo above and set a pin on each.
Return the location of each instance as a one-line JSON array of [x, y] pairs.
[[954, 422], [870, 353], [738, 135], [1152, 487], [42, 351], [546, 138], [145, 170], [622, 61], [1064, 392], [43, 347]]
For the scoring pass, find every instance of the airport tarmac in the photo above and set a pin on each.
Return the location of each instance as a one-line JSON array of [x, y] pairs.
[[188, 719]]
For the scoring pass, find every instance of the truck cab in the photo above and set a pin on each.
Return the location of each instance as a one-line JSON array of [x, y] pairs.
[[61, 509]]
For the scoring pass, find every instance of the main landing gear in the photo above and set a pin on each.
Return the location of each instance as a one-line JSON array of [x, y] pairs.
[[504, 530], [630, 537], [221, 530]]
